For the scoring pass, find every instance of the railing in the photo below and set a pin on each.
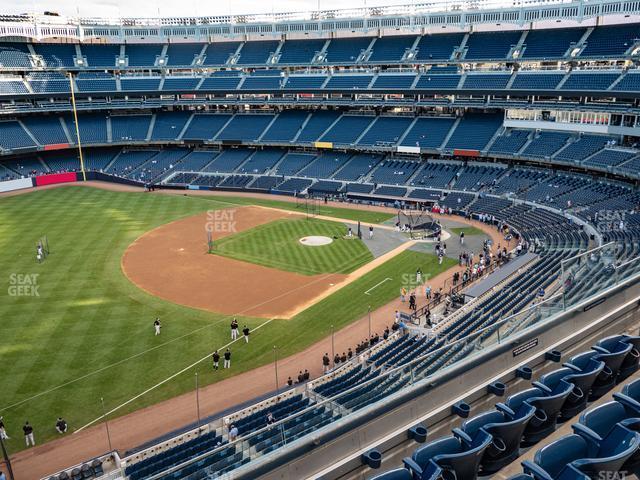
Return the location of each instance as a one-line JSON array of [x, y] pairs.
[[454, 287], [417, 370]]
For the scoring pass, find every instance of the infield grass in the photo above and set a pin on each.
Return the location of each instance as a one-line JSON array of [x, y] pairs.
[[88, 333], [276, 245]]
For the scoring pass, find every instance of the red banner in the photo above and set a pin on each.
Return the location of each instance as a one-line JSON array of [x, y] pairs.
[[55, 178], [57, 146], [466, 153]]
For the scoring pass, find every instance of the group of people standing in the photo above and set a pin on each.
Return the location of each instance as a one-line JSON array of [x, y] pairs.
[[27, 429]]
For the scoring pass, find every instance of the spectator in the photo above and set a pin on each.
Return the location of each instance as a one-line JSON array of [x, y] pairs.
[[233, 433], [289, 382], [300, 377], [270, 419], [306, 375], [336, 359]]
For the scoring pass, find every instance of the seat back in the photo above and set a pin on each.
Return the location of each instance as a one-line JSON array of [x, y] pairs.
[[602, 418], [553, 458], [465, 463]]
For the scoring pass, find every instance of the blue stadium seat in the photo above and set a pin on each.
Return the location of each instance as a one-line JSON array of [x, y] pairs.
[[390, 49], [304, 82], [537, 81], [286, 126], [220, 82], [474, 131], [550, 43], [245, 127], [438, 47], [346, 50], [611, 40], [15, 55], [100, 56], [573, 457], [458, 455], [257, 53], [347, 129], [130, 127], [300, 51], [182, 54], [428, 132], [548, 403], [582, 376], [618, 344], [491, 45], [142, 55], [218, 53], [56, 55], [589, 81], [96, 82], [386, 131], [348, 82], [506, 427], [205, 126], [606, 379]]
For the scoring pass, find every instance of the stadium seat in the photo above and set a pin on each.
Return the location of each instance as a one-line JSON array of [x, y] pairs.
[[459, 455], [573, 457], [506, 427], [548, 402]]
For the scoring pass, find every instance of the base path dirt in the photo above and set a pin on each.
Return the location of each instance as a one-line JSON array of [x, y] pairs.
[[144, 425], [172, 262]]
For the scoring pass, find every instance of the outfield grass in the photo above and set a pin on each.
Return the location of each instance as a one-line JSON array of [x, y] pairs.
[[89, 332], [277, 245], [467, 231], [367, 216]]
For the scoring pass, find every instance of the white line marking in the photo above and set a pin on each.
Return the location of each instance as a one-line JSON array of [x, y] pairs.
[[377, 285], [113, 410]]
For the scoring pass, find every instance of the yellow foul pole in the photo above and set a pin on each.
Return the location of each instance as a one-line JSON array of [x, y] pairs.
[[75, 118]]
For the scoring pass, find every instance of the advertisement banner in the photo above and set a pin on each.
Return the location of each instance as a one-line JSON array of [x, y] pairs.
[[55, 178], [11, 185], [408, 150]]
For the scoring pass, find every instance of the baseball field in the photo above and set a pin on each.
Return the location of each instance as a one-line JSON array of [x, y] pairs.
[[76, 330]]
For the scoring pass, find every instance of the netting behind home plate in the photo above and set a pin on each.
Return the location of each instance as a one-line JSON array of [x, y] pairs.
[[418, 223]]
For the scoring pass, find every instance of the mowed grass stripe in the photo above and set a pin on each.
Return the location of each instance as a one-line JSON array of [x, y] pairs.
[[90, 320], [277, 245]]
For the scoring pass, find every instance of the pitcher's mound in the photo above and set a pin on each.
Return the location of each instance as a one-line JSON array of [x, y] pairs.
[[315, 241]]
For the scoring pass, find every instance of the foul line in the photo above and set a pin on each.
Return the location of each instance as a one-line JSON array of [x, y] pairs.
[[377, 285], [227, 317], [113, 410]]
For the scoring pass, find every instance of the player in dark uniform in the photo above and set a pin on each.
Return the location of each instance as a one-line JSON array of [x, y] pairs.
[[216, 359]]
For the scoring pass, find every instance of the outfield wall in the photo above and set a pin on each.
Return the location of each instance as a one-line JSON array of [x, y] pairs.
[[19, 184]]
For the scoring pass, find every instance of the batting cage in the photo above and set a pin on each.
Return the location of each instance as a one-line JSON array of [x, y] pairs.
[[418, 224], [309, 205]]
